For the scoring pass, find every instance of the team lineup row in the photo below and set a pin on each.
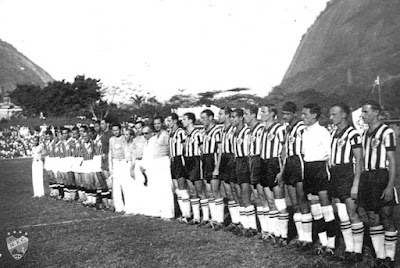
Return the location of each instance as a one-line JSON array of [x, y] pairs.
[[247, 163]]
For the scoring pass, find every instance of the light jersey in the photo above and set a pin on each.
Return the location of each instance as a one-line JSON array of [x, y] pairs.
[[211, 140], [59, 149], [272, 141], [138, 144], [129, 151], [87, 150], [293, 141], [255, 139], [49, 146], [376, 144], [161, 146], [193, 143], [38, 152], [316, 143], [241, 141], [342, 145], [69, 146], [98, 146], [116, 147], [227, 139], [177, 142]]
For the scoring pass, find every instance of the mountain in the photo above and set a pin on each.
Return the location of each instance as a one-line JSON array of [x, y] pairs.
[[348, 46], [16, 69]]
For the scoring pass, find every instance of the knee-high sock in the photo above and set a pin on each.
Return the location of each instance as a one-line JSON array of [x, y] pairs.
[[345, 227], [306, 222], [219, 210], [299, 225], [185, 204], [283, 218], [179, 199], [330, 224], [251, 217], [274, 222], [390, 244], [233, 208], [261, 219], [378, 241], [211, 205], [319, 224], [205, 210], [195, 202], [358, 236], [243, 218]]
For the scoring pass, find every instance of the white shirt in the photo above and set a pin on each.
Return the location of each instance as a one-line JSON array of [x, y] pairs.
[[316, 143]]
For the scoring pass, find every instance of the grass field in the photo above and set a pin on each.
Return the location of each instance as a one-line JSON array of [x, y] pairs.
[[69, 235]]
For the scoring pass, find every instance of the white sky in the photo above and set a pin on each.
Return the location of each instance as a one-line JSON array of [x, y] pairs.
[[161, 45]]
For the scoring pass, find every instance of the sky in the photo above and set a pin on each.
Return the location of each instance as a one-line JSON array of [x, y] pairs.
[[160, 46]]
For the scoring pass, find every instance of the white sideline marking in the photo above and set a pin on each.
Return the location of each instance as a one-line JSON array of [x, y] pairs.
[[74, 221]]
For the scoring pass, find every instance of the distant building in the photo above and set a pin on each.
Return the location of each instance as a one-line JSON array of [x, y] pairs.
[[7, 109]]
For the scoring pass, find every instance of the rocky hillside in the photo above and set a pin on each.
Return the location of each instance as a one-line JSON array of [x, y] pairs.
[[16, 69], [350, 43]]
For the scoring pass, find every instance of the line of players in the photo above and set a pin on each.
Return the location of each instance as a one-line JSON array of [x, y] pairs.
[[76, 164], [254, 160]]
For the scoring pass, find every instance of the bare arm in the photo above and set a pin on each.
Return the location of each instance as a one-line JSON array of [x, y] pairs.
[[357, 172], [387, 194]]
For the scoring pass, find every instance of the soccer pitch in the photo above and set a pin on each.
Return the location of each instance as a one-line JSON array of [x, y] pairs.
[[62, 234]]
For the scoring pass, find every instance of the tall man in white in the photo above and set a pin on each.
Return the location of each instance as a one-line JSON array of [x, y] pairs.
[[316, 151]]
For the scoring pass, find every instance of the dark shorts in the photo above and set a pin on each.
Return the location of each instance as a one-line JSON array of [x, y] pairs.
[[342, 177], [256, 170], [316, 177], [294, 170], [242, 170], [178, 169], [227, 167], [372, 184], [208, 161], [192, 165], [104, 162], [271, 168]]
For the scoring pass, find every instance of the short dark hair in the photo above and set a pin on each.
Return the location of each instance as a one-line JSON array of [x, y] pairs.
[[343, 106], [190, 116], [314, 109], [227, 110], [374, 105], [208, 112], [65, 128], [48, 132], [239, 112], [174, 116], [157, 117], [116, 125], [289, 106], [253, 109], [106, 120], [75, 128], [139, 122]]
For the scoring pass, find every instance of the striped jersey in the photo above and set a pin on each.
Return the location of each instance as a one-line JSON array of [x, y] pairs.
[[177, 142], [193, 143], [59, 149], [87, 150], [50, 148], [294, 142], [211, 140], [342, 145], [69, 146], [227, 139], [255, 138], [241, 142], [272, 141], [375, 145], [98, 146]]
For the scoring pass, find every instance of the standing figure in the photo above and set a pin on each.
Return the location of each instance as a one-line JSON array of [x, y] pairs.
[[377, 193], [38, 153]]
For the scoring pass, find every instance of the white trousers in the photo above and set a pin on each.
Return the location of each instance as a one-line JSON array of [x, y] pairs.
[[37, 178]]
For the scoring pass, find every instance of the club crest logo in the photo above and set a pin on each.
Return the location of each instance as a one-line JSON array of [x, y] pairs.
[[341, 143], [240, 141], [270, 136], [375, 143], [17, 243], [253, 139], [291, 139]]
